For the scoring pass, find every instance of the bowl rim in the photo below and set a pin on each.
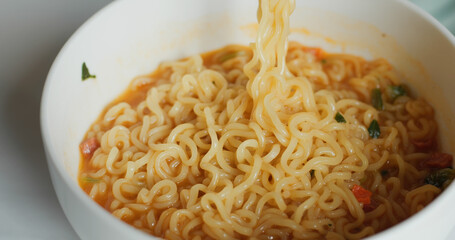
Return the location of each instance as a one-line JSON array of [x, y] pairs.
[[389, 232], [51, 155]]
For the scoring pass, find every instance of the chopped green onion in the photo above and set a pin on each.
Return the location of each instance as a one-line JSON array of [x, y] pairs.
[[441, 178], [374, 129], [376, 99], [85, 73], [90, 180], [396, 91], [339, 118], [231, 55]]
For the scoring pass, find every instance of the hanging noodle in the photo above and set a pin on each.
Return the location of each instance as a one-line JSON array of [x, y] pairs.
[[244, 143]]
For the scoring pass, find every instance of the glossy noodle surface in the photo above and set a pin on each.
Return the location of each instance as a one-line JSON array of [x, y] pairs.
[[271, 141]]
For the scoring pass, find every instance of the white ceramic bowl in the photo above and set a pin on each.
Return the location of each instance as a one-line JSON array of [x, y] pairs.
[[129, 38]]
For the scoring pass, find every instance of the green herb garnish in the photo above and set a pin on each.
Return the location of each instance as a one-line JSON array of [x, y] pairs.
[[374, 129], [396, 91], [441, 178], [85, 73], [376, 99], [339, 118], [231, 55], [90, 180]]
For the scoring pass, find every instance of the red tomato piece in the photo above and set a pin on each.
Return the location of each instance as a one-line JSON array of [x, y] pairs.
[[361, 194], [423, 144], [439, 160], [88, 147]]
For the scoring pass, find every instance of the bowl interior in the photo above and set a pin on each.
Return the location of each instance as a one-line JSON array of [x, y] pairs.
[[130, 38]]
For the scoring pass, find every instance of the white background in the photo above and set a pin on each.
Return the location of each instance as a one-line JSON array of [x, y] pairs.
[[31, 34]]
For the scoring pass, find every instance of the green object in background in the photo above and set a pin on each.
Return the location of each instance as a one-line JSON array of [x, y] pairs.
[[443, 10]]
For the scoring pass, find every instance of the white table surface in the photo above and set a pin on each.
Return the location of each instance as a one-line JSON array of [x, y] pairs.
[[31, 34]]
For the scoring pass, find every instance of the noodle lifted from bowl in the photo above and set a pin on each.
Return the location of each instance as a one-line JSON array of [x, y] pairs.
[[225, 148]]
